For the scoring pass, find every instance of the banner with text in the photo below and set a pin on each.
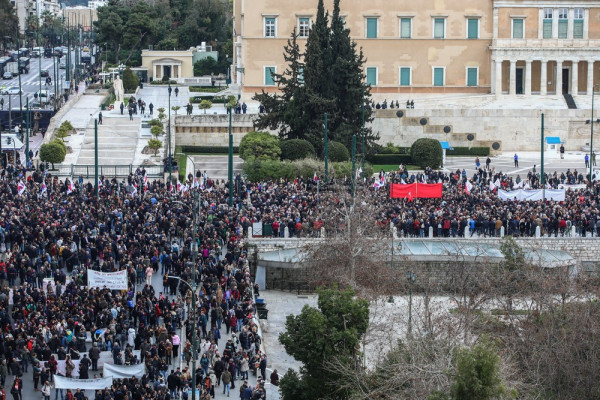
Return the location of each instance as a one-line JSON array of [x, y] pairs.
[[532, 195], [60, 382], [112, 280], [124, 371]]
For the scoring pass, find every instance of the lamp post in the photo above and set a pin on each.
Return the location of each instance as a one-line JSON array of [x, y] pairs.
[[230, 161], [411, 276], [193, 287], [362, 108], [326, 150], [169, 139], [591, 122], [19, 72], [27, 136]]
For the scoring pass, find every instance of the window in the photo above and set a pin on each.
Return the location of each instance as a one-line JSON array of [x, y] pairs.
[[301, 75], [438, 76], [372, 76], [578, 23], [547, 23], [270, 26], [404, 76], [405, 28], [439, 28], [472, 28], [472, 75], [563, 23], [269, 78], [371, 28], [303, 27], [517, 28]]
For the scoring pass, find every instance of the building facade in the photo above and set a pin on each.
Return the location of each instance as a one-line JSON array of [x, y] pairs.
[[80, 16], [436, 46], [27, 8]]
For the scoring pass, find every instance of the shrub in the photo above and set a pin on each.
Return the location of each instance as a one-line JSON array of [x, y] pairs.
[[208, 149], [260, 145], [53, 152], [61, 144], [338, 152], [155, 122], [130, 80], [257, 170], [154, 144], [205, 105], [465, 151], [389, 159], [426, 153], [307, 167], [296, 149], [342, 169]]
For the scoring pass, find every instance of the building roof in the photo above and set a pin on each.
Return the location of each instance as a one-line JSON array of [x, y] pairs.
[[17, 144]]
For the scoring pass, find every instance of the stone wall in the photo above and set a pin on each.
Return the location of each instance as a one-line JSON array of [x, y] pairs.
[[211, 129], [512, 129]]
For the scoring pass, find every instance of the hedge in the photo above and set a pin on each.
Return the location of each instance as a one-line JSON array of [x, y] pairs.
[[426, 153], [257, 170], [213, 99], [465, 151], [387, 159], [337, 152], [394, 150], [296, 149], [208, 149]]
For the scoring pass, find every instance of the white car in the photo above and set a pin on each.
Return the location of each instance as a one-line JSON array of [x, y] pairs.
[[11, 90]]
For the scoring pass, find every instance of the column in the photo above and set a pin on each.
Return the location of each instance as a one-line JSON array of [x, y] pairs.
[[590, 77], [493, 77], [540, 23], [558, 83], [574, 77], [512, 78], [528, 77], [544, 78], [554, 23], [498, 78]]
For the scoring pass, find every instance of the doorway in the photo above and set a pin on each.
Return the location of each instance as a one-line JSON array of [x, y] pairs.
[[167, 71], [565, 80], [519, 81]]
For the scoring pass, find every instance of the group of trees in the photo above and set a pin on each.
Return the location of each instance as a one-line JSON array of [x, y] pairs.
[[481, 328], [327, 78], [126, 27]]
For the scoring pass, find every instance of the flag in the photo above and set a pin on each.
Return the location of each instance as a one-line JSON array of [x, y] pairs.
[[492, 186], [296, 182], [383, 180], [315, 177], [20, 188], [70, 188], [429, 190], [398, 191], [402, 181], [99, 182], [497, 183], [134, 189], [170, 187], [377, 184], [196, 183], [145, 182], [468, 187], [43, 190], [179, 187]]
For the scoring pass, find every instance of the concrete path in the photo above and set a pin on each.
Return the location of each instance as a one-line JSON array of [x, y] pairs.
[[215, 166], [117, 142]]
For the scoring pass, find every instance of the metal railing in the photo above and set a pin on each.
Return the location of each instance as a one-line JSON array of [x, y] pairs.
[[118, 171]]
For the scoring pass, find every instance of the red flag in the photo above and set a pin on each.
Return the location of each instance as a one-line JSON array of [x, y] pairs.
[[429, 190], [399, 191]]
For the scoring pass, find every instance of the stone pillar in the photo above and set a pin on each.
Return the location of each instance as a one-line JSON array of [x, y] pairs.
[[286, 232], [467, 233], [498, 77], [250, 232], [527, 77], [558, 83], [574, 77], [502, 231], [512, 78], [323, 232], [544, 78], [431, 232], [590, 77], [538, 231], [492, 77]]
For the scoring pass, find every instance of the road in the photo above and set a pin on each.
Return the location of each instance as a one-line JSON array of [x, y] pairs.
[[30, 82]]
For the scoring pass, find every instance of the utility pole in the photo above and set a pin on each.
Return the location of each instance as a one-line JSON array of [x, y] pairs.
[[68, 60], [96, 157], [194, 311], [542, 178], [19, 72], [326, 151], [362, 107], [39, 64], [27, 137], [169, 151], [230, 161]]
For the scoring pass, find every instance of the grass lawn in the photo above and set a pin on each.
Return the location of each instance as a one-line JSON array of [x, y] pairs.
[[207, 89], [393, 167]]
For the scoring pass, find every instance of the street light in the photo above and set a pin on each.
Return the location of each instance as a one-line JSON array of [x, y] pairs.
[[591, 122], [169, 151], [193, 287], [411, 276]]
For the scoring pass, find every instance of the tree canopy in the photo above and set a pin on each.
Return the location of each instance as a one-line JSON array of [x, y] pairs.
[[327, 78]]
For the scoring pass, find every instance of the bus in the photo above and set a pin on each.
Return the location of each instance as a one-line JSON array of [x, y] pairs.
[[3, 62], [24, 65], [86, 56], [14, 55], [23, 52], [37, 52]]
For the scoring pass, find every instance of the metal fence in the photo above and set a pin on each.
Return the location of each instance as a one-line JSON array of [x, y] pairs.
[[117, 171]]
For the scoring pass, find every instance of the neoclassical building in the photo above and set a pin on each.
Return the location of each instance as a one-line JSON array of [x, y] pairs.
[[436, 46]]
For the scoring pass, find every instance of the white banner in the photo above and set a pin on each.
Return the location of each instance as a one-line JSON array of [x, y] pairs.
[[124, 371], [532, 195], [60, 382], [61, 368], [112, 280]]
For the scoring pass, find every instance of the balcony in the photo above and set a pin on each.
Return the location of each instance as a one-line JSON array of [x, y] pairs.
[[536, 44]]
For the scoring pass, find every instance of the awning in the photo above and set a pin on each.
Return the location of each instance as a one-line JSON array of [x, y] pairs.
[[446, 146], [553, 140]]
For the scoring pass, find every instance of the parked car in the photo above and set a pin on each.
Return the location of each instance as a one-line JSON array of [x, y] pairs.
[[11, 90], [7, 75], [62, 65], [44, 73]]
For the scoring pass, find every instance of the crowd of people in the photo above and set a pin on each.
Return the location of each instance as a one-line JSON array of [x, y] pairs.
[[53, 232]]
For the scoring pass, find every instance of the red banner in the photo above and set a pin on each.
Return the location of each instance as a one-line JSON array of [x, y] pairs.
[[416, 190], [398, 191]]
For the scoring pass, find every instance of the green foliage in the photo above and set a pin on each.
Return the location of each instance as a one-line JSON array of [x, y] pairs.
[[426, 153], [52, 152], [318, 335], [213, 99], [156, 130], [344, 169], [155, 122], [392, 149], [477, 374], [296, 149], [61, 144], [396, 159], [207, 89], [338, 152], [257, 170], [259, 145], [305, 168], [64, 130], [206, 66], [291, 386], [154, 144], [205, 105], [130, 80], [326, 78], [466, 151], [514, 257], [175, 108]]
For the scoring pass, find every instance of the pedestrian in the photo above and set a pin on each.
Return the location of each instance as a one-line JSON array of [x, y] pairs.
[[130, 114], [122, 107], [151, 107], [587, 161], [226, 378], [516, 160], [562, 151], [16, 388], [477, 163], [100, 118], [487, 163], [94, 354], [46, 390], [176, 91], [2, 103]]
